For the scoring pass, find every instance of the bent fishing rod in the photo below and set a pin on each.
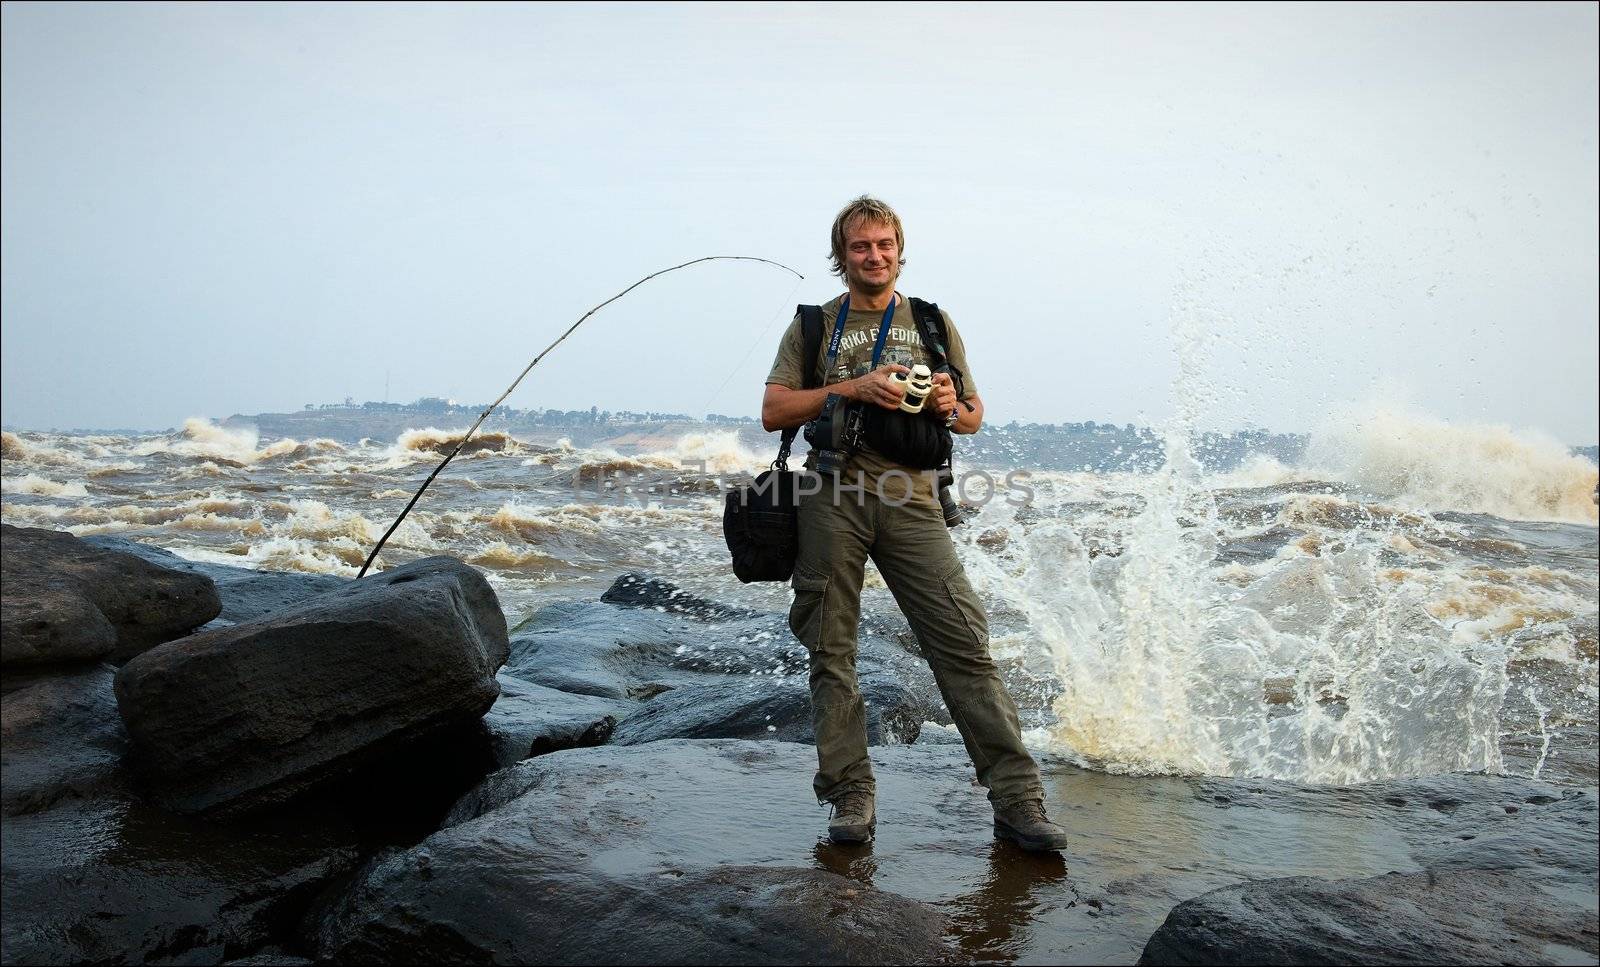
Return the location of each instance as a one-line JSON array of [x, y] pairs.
[[528, 369]]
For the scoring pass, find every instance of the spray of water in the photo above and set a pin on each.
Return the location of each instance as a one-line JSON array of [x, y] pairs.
[[1314, 663]]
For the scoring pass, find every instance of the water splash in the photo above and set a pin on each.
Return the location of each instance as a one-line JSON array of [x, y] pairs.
[[1311, 662]]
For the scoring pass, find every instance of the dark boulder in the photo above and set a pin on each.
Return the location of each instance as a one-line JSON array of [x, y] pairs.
[[63, 600], [773, 708], [246, 593], [252, 714], [529, 720]]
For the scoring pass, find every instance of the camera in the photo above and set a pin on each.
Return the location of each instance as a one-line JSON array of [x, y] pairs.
[[953, 514], [835, 433]]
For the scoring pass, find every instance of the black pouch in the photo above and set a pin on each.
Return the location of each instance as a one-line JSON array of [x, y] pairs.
[[761, 523], [913, 439]]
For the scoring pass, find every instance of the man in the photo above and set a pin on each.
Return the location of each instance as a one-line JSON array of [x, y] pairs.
[[876, 508]]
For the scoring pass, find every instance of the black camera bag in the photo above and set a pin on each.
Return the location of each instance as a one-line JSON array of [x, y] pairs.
[[761, 521]]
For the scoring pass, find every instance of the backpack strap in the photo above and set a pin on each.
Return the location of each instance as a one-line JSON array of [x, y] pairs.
[[810, 378], [811, 344], [930, 322]]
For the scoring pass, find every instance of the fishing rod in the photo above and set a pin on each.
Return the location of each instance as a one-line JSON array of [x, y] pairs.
[[485, 414]]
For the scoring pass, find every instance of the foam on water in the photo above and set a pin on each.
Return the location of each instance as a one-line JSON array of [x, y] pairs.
[[40, 487], [1324, 622], [718, 452], [436, 443], [1429, 464]]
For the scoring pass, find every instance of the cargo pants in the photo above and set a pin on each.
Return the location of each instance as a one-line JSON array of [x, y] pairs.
[[911, 547]]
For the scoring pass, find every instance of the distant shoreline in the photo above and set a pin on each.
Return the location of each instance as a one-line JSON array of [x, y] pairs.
[[1086, 445]]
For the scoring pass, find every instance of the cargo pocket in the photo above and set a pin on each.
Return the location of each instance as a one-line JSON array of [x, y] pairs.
[[967, 608], [810, 601]]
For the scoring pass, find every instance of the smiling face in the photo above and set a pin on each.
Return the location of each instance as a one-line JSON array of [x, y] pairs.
[[871, 256]]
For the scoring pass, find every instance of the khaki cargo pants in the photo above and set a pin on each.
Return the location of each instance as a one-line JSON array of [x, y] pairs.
[[839, 529]]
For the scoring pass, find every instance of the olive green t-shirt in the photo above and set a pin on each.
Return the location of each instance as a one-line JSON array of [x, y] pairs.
[[903, 346]]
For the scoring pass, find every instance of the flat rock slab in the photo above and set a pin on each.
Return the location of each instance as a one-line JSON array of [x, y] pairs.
[[253, 714], [1509, 892], [564, 876], [774, 708], [529, 720], [1141, 845], [1470, 917], [246, 593], [443, 906], [63, 600]]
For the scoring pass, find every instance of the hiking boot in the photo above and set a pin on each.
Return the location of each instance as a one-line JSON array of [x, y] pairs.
[[1025, 824], [854, 815]]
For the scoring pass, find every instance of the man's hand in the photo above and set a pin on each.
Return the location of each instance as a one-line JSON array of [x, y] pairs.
[[943, 397], [876, 387]]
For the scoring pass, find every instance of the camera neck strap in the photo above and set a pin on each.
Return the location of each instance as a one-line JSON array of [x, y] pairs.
[[838, 333], [782, 463]]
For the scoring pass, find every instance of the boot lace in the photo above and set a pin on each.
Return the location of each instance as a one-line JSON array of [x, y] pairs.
[[851, 803], [1031, 809]]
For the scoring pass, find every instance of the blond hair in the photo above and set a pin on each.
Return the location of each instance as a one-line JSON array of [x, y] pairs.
[[864, 209]]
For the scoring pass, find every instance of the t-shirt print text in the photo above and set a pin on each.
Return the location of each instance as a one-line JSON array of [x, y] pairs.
[[903, 347]]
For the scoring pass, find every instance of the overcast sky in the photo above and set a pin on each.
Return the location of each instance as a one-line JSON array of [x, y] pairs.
[[216, 209]]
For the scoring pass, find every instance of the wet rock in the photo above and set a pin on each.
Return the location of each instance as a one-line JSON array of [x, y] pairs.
[[633, 653], [775, 708], [60, 738], [1140, 844], [529, 720], [734, 914], [91, 874], [635, 590], [246, 593], [64, 600], [581, 857], [270, 958], [1497, 888], [932, 733], [112, 880], [1398, 918], [253, 714], [1253, 548]]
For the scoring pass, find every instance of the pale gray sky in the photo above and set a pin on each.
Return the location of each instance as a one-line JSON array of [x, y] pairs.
[[212, 209]]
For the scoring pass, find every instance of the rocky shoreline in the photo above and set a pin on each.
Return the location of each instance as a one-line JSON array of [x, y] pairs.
[[206, 764]]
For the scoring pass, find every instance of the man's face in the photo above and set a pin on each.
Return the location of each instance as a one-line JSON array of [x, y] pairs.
[[871, 256]]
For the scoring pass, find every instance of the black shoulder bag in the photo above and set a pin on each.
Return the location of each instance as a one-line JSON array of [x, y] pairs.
[[761, 520]]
